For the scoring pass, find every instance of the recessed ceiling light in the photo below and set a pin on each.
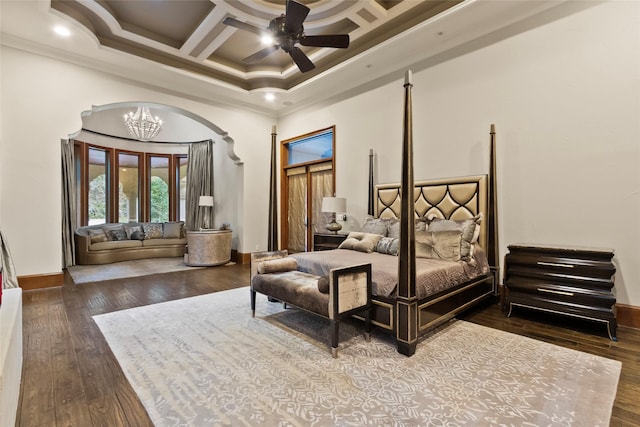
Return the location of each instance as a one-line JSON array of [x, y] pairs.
[[61, 31], [269, 97]]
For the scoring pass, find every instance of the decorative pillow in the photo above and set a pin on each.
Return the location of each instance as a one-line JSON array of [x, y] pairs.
[[394, 228], [466, 226], [129, 229], [388, 246], [112, 227], [323, 285], [439, 244], [375, 226], [118, 235], [277, 265], [362, 242], [152, 230], [172, 230], [97, 235], [137, 235]]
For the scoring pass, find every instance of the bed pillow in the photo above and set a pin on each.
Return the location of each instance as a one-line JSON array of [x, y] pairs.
[[375, 226], [97, 235], [361, 242], [443, 245], [394, 228], [388, 246], [277, 265], [466, 226]]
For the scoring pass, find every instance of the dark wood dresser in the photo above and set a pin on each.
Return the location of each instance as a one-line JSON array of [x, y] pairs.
[[576, 282]]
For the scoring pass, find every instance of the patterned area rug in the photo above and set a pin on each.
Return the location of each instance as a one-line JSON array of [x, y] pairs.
[[204, 361], [121, 270]]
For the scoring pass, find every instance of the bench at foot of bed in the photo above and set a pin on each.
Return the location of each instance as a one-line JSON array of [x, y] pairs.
[[345, 292]]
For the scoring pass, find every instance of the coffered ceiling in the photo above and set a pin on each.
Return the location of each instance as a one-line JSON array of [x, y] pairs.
[[183, 46]]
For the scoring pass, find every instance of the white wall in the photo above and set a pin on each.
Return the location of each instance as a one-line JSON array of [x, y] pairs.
[[41, 101], [565, 97]]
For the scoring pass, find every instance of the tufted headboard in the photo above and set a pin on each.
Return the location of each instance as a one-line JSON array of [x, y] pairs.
[[452, 198]]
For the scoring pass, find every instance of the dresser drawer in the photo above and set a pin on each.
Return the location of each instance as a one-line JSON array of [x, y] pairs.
[[561, 292]]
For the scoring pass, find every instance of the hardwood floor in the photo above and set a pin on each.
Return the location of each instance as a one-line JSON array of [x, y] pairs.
[[71, 378]]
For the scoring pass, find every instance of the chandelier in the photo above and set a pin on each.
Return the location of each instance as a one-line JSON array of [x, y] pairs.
[[142, 124]]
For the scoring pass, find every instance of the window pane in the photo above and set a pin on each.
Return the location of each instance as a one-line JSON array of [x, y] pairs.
[[159, 188], [98, 186], [314, 147], [128, 187], [182, 188]]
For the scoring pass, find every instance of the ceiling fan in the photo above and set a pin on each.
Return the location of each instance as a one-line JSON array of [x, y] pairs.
[[286, 30]]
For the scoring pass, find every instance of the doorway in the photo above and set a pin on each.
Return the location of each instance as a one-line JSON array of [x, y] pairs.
[[307, 176]]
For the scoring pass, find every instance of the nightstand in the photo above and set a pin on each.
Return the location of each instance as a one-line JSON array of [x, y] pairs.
[[324, 242]]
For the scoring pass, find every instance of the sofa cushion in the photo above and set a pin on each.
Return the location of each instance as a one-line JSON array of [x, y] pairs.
[[163, 242], [118, 235], [115, 245], [152, 230]]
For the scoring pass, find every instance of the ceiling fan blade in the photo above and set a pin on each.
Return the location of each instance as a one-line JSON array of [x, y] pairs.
[[295, 15], [263, 53], [233, 22], [302, 61], [336, 40]]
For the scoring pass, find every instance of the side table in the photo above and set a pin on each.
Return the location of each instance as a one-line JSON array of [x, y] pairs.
[[326, 241], [208, 247]]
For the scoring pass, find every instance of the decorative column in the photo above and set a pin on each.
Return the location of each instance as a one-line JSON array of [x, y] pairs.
[[272, 243], [407, 301]]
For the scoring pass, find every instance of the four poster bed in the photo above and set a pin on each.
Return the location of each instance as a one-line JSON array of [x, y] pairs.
[[412, 295]]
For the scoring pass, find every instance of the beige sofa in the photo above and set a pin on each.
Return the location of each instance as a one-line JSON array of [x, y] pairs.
[[108, 243]]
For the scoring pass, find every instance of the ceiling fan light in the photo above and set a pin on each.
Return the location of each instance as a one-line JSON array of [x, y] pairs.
[[267, 39]]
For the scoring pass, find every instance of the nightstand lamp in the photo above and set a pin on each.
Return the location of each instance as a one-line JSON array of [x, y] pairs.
[[206, 202], [333, 205]]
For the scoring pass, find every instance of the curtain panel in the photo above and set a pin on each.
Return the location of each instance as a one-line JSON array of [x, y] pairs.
[[69, 208], [199, 183]]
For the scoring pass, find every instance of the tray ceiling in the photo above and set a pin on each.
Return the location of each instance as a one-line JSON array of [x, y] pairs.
[[190, 35]]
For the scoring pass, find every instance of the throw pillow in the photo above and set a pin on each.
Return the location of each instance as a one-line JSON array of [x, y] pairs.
[[97, 235], [388, 246], [439, 244], [277, 265], [118, 235], [394, 228], [375, 226], [152, 230], [137, 235], [130, 229], [108, 228], [172, 230], [361, 242]]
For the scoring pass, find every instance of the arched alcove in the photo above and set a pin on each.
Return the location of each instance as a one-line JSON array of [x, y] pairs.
[[104, 126]]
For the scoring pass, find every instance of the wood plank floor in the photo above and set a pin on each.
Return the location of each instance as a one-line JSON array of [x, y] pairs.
[[71, 378]]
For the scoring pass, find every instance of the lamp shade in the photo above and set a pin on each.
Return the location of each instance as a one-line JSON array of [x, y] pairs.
[[205, 201], [334, 204]]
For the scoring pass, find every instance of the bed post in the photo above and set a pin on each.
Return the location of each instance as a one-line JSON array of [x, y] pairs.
[[493, 247], [407, 301], [272, 243], [370, 210]]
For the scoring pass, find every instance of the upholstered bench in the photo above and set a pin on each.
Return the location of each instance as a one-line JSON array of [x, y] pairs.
[[345, 292]]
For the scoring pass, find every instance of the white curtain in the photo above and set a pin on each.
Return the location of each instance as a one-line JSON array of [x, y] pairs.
[[199, 183], [8, 270]]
